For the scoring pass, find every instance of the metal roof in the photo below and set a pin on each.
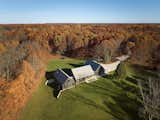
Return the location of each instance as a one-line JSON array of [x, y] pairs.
[[61, 76], [93, 64], [123, 57], [82, 72]]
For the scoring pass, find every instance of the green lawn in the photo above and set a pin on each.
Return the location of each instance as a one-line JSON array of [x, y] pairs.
[[104, 99]]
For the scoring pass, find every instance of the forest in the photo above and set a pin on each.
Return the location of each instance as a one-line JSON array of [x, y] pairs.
[[18, 42], [26, 48]]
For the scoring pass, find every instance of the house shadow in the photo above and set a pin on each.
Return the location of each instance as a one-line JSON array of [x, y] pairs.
[[68, 71], [76, 65], [49, 75], [110, 76], [52, 83], [90, 102], [124, 105], [142, 67]]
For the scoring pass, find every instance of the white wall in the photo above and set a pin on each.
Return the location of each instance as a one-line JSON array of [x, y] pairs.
[[110, 67]]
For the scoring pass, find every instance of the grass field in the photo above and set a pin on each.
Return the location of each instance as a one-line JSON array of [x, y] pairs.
[[104, 99]]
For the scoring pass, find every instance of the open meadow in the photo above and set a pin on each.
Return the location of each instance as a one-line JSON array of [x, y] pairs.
[[104, 99]]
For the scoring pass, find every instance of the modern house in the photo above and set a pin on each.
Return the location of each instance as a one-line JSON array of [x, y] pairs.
[[83, 74], [87, 73], [63, 80]]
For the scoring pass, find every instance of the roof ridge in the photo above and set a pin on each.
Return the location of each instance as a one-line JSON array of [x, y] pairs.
[[64, 72]]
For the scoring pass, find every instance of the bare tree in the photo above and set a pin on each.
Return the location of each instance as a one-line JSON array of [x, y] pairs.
[[103, 52], [150, 92], [11, 60]]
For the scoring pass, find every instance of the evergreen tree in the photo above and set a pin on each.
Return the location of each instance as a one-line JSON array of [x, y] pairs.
[[121, 71], [107, 55]]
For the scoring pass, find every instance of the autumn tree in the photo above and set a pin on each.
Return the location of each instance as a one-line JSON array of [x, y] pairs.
[[103, 52], [10, 61]]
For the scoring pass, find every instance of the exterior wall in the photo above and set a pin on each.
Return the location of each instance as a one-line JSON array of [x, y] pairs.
[[78, 81], [87, 79], [101, 71], [91, 79], [107, 68], [68, 83]]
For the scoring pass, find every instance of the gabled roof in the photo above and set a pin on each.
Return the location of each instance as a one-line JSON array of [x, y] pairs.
[[61, 76], [123, 57], [93, 64], [110, 67], [82, 72]]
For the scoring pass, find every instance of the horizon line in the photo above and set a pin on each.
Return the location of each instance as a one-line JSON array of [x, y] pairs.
[[81, 23]]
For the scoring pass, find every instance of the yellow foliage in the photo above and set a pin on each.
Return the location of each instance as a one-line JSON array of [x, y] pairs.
[[2, 48]]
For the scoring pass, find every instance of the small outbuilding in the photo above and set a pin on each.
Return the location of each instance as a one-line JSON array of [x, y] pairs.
[[83, 74], [107, 68], [123, 57]]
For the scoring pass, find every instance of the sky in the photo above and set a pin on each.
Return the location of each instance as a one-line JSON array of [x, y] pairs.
[[79, 11]]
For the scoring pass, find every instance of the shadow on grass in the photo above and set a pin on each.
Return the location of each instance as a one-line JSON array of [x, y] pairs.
[[141, 67], [139, 78], [110, 76], [104, 90], [76, 65], [144, 71], [127, 86], [52, 83], [124, 107], [90, 102], [49, 75], [56, 88], [132, 80]]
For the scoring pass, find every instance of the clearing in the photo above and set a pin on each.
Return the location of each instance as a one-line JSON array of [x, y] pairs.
[[104, 99]]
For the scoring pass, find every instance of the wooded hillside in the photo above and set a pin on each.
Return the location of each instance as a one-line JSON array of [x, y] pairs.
[[24, 50], [84, 40]]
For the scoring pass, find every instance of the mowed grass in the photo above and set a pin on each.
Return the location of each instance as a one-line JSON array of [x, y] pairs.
[[103, 99]]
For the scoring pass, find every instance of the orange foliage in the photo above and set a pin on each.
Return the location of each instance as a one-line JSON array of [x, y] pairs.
[[74, 40], [17, 92], [2, 48]]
